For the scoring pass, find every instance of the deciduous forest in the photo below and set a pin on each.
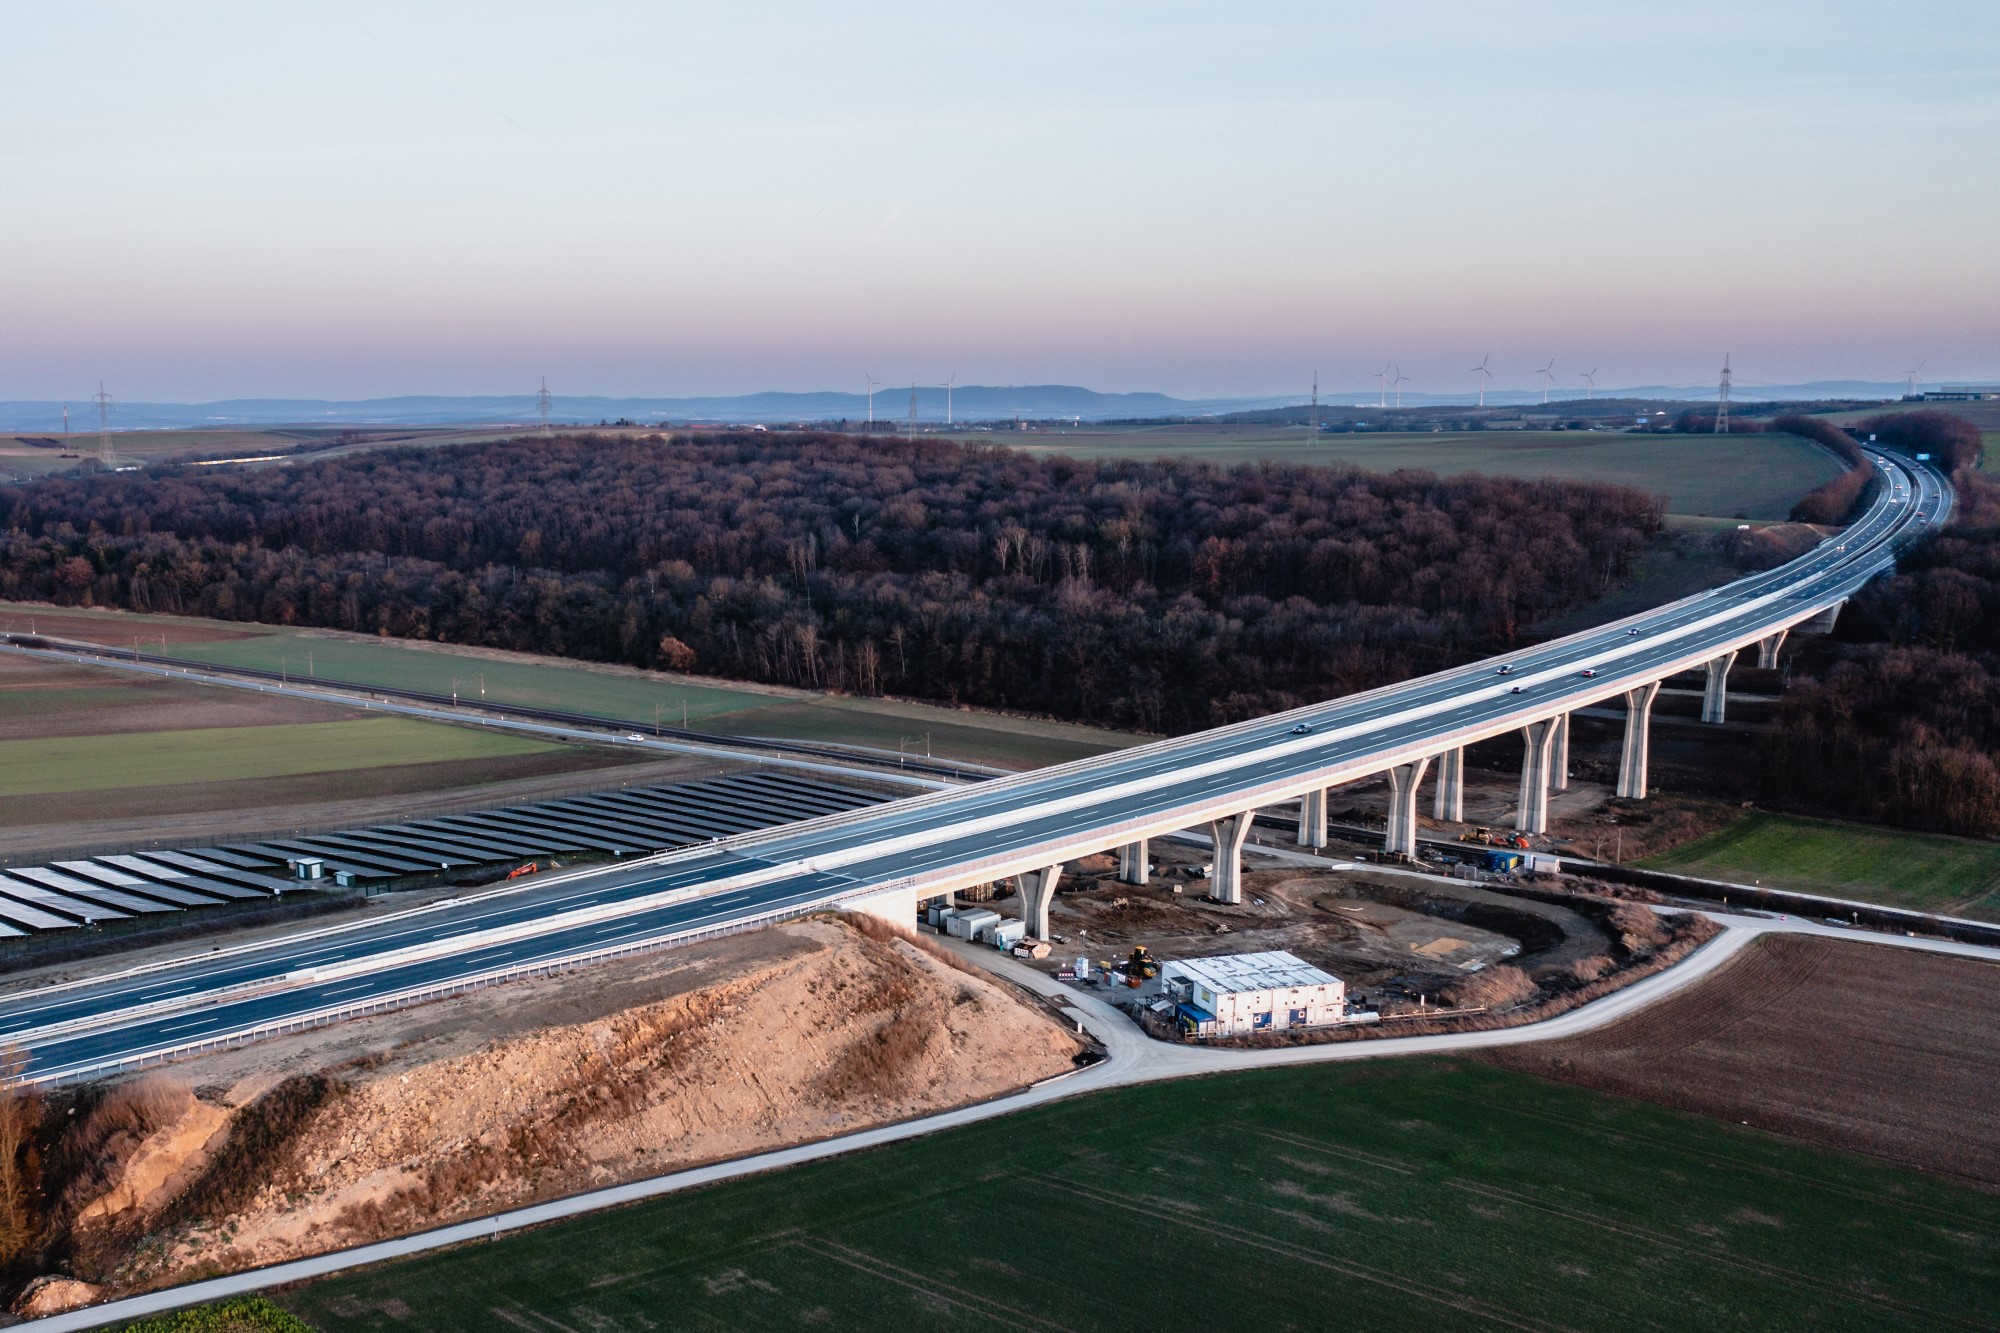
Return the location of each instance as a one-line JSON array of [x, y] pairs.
[[1158, 595], [1899, 718]]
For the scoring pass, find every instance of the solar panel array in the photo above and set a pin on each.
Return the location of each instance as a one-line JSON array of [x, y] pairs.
[[630, 821]]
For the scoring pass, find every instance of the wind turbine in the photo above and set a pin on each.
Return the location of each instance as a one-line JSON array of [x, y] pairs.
[[1548, 374], [1396, 384], [872, 382], [947, 396], [1484, 375], [1913, 376], [1590, 382], [1383, 375]]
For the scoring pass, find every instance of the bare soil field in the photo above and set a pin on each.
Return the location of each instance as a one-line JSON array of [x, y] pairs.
[[1850, 1045], [40, 699], [526, 1092], [115, 629]]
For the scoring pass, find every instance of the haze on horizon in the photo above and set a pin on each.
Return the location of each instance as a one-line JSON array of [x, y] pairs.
[[211, 200]]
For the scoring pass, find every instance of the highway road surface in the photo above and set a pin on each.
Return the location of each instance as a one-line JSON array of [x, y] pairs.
[[929, 844]]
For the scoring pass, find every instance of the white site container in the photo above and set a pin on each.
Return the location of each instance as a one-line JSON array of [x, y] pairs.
[[968, 925], [1006, 934]]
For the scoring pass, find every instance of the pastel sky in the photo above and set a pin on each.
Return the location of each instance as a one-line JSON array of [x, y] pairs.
[[203, 200]]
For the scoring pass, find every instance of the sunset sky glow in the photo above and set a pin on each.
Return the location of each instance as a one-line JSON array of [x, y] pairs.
[[211, 200]]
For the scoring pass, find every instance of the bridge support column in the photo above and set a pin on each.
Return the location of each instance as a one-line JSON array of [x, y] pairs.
[[1559, 755], [1132, 863], [1539, 738], [1715, 697], [1767, 650], [1401, 838], [1038, 890], [1312, 818], [1638, 726], [1226, 837], [1449, 800], [1824, 622]]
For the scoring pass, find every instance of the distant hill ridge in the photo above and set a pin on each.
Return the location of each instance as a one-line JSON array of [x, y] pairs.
[[971, 402]]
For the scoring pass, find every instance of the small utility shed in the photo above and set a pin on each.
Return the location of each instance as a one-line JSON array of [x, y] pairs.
[[1253, 992]]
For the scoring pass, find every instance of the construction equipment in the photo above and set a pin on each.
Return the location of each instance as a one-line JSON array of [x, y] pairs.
[[527, 869], [1141, 964]]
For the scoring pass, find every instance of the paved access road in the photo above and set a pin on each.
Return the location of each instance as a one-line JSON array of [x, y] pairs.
[[994, 828]]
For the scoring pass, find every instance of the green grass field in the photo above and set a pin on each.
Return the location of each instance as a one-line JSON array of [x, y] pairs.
[[1757, 477], [1383, 1196], [1926, 871], [395, 665], [224, 754], [553, 683]]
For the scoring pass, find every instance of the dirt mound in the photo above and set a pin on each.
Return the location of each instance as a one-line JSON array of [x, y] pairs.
[[838, 1029]]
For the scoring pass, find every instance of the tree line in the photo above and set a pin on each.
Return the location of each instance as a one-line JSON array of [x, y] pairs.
[[1899, 718], [1162, 595]]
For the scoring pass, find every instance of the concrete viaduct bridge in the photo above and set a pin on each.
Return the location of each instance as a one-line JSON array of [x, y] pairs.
[[886, 859]]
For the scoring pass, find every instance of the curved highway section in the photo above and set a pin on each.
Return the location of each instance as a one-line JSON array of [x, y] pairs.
[[888, 858]]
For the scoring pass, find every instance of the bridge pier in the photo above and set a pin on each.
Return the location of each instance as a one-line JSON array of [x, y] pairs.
[[1401, 838], [1824, 622], [1767, 650], [1132, 863], [1559, 755], [1312, 818], [1448, 802], [1038, 890], [1226, 838], [1532, 814], [1715, 696], [1638, 726]]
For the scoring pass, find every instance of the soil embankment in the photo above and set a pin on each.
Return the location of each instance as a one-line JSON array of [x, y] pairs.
[[456, 1110]]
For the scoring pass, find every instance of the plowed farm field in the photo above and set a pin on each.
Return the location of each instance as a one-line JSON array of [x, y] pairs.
[[1849, 1045]]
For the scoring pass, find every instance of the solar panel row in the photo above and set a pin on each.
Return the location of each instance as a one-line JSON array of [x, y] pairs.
[[630, 821]]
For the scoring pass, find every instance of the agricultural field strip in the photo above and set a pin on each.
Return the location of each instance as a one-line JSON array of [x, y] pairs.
[[469, 717], [1173, 773], [1132, 1058]]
